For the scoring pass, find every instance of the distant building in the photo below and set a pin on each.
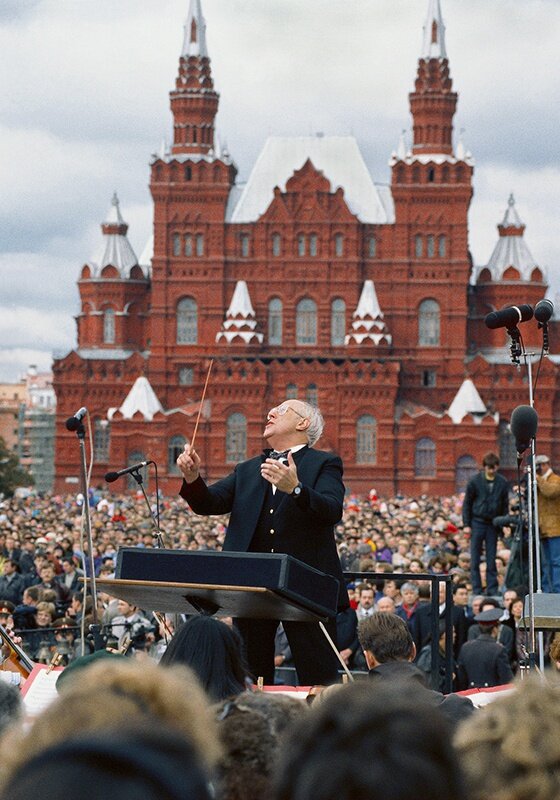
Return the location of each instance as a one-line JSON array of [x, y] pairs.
[[309, 281], [12, 401]]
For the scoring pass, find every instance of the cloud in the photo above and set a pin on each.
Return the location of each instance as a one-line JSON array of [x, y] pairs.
[[84, 101]]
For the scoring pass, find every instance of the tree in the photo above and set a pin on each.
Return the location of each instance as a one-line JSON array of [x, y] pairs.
[[12, 474]]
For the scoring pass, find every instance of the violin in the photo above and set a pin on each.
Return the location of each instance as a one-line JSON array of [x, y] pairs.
[[17, 660]]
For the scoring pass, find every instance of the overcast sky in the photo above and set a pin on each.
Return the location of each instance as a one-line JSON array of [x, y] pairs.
[[84, 102]]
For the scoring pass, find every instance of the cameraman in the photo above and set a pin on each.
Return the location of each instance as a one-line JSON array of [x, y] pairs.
[[486, 497]]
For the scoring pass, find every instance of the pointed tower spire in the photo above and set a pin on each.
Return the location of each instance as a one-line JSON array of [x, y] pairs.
[[194, 41], [433, 102], [194, 103], [433, 45], [117, 250], [511, 249]]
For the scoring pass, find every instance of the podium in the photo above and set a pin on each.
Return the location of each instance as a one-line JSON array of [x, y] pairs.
[[251, 585]]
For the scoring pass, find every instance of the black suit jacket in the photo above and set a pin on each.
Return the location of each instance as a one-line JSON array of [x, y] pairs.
[[304, 527]]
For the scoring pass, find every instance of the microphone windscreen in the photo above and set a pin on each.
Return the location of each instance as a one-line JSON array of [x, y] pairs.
[[111, 476], [523, 424]]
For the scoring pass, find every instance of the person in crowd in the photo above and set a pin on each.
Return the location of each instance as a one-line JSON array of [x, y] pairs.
[[390, 651], [386, 604], [484, 662], [12, 584], [213, 650], [548, 486], [251, 730], [512, 750], [347, 637], [284, 671], [360, 743], [458, 619], [366, 602], [128, 624], [506, 633], [294, 511], [70, 577], [436, 677], [486, 497], [408, 608], [48, 581], [461, 600], [144, 761]]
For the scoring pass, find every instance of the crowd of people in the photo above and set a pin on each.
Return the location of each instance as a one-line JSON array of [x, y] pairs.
[[43, 555], [179, 693]]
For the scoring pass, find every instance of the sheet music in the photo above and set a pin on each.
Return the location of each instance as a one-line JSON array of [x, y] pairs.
[[39, 690]]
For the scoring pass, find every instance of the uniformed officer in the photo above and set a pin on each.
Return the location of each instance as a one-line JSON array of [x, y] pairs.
[[484, 661]]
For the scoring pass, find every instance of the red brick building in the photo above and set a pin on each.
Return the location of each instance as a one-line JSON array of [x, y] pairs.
[[309, 281]]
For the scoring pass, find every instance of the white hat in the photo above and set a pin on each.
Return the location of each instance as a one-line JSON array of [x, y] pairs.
[[542, 460]]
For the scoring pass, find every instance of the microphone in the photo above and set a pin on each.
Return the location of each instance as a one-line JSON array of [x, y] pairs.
[[509, 317], [113, 476], [73, 423], [544, 310], [523, 424]]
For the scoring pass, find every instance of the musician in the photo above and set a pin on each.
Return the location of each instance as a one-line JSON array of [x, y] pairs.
[[281, 504]]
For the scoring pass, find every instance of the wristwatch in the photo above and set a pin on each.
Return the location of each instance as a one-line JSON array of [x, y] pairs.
[[297, 491]]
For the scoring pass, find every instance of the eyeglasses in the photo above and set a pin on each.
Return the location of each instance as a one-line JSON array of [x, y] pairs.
[[281, 410]]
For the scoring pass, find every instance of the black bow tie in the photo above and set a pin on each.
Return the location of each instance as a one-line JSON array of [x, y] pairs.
[[278, 455]]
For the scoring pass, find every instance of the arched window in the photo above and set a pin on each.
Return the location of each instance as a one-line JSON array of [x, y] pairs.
[[366, 440], [306, 321], [135, 458], [101, 439], [275, 321], [291, 391], [188, 245], [418, 246], [176, 244], [109, 326], [187, 321], [175, 447], [464, 470], [425, 458], [245, 241], [442, 247], [508, 449], [372, 247], [188, 173], [430, 246], [236, 438], [199, 244], [312, 394], [428, 323], [301, 245], [338, 321], [276, 245], [339, 245], [313, 244]]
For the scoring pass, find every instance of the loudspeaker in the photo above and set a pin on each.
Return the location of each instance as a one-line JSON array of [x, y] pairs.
[[547, 611]]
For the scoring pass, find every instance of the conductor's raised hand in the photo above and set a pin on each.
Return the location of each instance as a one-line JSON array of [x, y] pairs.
[[189, 464], [283, 476]]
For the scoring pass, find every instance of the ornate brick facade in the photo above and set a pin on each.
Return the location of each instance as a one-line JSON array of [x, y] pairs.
[[318, 284]]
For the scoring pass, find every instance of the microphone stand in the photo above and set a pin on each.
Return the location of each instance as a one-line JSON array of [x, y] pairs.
[[518, 351], [157, 534], [94, 628]]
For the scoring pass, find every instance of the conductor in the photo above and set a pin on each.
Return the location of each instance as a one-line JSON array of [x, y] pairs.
[[286, 500]]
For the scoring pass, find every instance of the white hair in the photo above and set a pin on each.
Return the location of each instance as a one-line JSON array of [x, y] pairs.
[[316, 422]]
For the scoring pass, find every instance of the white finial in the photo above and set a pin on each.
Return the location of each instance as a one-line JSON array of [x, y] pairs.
[[114, 216], [433, 45], [460, 150], [194, 41], [401, 149]]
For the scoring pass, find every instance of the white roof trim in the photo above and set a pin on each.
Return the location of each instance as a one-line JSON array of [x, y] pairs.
[[466, 401], [337, 157], [141, 398]]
